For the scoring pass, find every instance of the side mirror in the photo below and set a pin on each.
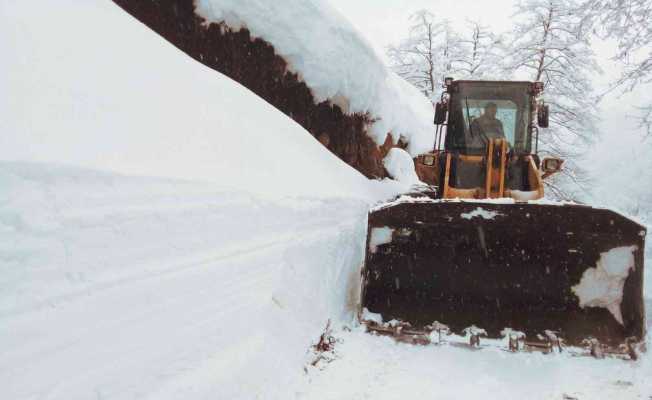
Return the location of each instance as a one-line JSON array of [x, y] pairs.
[[551, 165], [543, 116], [440, 113]]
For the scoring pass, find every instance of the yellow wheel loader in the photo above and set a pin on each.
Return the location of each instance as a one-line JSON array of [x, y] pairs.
[[483, 253]]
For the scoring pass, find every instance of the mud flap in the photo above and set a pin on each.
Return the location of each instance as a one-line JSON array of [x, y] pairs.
[[571, 269]]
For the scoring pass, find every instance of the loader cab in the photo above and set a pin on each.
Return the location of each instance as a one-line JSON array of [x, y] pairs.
[[486, 141], [471, 123]]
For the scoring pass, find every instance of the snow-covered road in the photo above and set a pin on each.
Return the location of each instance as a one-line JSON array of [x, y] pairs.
[[119, 287], [131, 336]]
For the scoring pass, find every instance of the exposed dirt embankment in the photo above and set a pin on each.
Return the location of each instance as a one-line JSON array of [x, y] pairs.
[[254, 64]]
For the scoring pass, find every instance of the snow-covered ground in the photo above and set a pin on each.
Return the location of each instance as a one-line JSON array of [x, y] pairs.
[[210, 282], [121, 287], [372, 367], [213, 279]]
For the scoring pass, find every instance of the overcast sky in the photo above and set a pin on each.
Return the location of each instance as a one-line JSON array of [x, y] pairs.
[[386, 21]]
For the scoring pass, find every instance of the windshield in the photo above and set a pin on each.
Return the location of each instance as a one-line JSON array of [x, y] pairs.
[[481, 111]]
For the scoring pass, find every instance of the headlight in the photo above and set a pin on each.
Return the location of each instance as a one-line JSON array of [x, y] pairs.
[[551, 165]]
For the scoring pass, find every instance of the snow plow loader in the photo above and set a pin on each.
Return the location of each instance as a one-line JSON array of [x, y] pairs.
[[481, 253]]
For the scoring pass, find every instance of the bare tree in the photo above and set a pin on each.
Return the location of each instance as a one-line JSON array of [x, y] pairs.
[[481, 53], [629, 22], [646, 118], [434, 50], [550, 46], [430, 53]]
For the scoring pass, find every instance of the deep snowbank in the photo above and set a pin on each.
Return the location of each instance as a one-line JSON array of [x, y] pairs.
[[84, 85], [115, 286], [124, 287], [335, 61]]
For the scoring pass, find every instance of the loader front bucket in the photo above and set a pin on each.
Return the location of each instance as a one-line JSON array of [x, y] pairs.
[[532, 267]]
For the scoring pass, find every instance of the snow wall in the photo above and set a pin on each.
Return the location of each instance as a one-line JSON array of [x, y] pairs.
[[131, 286], [305, 59], [137, 287]]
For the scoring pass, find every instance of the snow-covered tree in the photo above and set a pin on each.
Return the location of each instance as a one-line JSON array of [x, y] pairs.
[[646, 118], [629, 22], [481, 54], [433, 50], [550, 46], [429, 53]]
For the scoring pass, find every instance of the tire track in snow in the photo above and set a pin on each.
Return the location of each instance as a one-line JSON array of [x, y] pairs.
[[227, 301], [226, 293], [180, 268]]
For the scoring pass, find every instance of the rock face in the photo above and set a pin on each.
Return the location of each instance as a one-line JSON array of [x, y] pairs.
[[254, 64]]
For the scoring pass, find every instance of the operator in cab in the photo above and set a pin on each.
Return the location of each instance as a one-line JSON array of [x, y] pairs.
[[487, 126]]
